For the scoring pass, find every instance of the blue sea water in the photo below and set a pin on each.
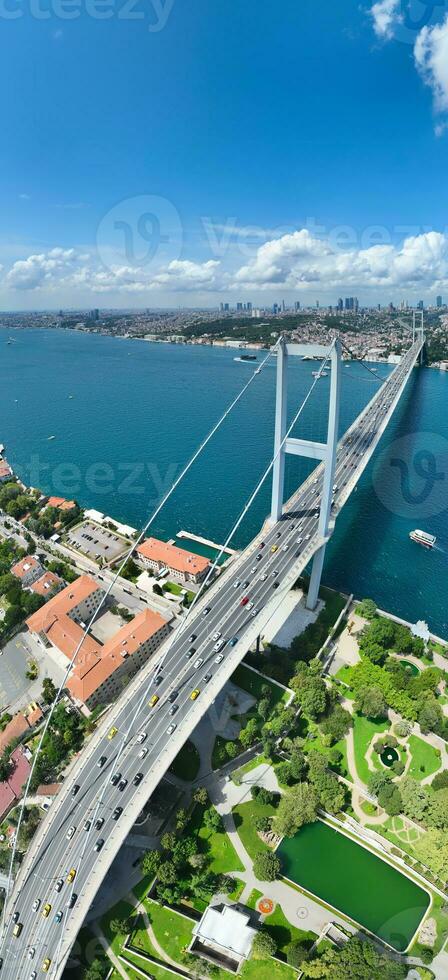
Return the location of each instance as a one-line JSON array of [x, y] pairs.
[[126, 415]]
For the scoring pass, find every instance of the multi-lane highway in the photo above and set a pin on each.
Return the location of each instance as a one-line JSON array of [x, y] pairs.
[[91, 816]]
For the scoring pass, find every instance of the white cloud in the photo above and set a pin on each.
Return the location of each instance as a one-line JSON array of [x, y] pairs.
[[431, 58], [184, 275], [42, 269], [298, 261], [386, 15]]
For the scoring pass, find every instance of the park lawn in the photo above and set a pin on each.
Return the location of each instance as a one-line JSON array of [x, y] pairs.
[[254, 897], [425, 758], [187, 762], [258, 760], [364, 730], [245, 815], [219, 755], [252, 682], [267, 970], [142, 887], [122, 910], [316, 744], [172, 931], [284, 933], [216, 845]]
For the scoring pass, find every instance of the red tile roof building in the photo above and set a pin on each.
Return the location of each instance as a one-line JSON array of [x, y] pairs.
[[61, 503], [28, 570], [11, 789], [182, 565], [47, 585], [99, 675]]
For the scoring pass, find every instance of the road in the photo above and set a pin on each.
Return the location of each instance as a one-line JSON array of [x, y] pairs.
[[255, 575]]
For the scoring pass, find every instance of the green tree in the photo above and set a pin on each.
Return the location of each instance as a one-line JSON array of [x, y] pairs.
[[200, 795], [266, 866], [121, 927], [150, 863], [367, 608], [311, 692], [6, 765], [212, 819], [296, 954], [337, 722], [432, 849], [49, 690], [264, 945], [358, 960], [370, 702], [296, 808]]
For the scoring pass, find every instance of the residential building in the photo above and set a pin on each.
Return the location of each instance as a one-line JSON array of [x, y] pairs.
[[183, 566], [61, 503], [28, 570], [47, 585], [5, 470], [11, 789], [224, 936], [99, 676], [61, 622]]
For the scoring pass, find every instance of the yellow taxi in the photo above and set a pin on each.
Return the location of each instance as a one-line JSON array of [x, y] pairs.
[[71, 876], [195, 694], [17, 929], [112, 733], [153, 701], [46, 965], [274, 548], [46, 910]]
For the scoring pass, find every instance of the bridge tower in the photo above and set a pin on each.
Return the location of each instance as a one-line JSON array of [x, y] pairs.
[[418, 331], [324, 451]]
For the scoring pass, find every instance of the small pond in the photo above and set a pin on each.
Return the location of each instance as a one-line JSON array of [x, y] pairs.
[[389, 756]]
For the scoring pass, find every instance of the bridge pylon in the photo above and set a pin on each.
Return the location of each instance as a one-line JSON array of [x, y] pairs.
[[323, 451]]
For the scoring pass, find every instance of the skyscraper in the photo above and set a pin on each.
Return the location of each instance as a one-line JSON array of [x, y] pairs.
[[340, 304], [439, 302]]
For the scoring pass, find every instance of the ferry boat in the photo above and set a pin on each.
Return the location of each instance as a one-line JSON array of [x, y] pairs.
[[423, 538], [246, 357]]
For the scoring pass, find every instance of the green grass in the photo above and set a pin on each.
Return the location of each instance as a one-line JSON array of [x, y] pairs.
[[364, 729], [267, 970], [251, 682], [187, 762], [217, 846], [425, 758], [279, 926], [245, 816], [122, 910], [172, 931]]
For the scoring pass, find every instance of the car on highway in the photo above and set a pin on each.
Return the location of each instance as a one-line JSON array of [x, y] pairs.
[[58, 916], [142, 753], [46, 964], [72, 900], [16, 917], [99, 844], [102, 761], [171, 728], [71, 876], [259, 557], [285, 547], [87, 825], [173, 709], [99, 823], [17, 929], [246, 584], [31, 952], [244, 600], [216, 636], [206, 611], [233, 642], [195, 694], [75, 789], [220, 644], [207, 678], [113, 732], [275, 585], [70, 832], [46, 910], [198, 663], [254, 613], [115, 778], [253, 570], [117, 813], [279, 534], [33, 975], [36, 904], [250, 605], [236, 584], [274, 548], [59, 884], [158, 680], [219, 659], [299, 539], [153, 701], [191, 652], [172, 697], [264, 576], [122, 784], [141, 737], [137, 778]]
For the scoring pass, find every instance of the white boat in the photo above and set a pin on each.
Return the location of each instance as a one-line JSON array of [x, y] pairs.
[[51, 437], [320, 374], [423, 538]]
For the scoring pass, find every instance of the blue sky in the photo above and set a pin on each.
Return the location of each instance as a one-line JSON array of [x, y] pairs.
[[301, 120]]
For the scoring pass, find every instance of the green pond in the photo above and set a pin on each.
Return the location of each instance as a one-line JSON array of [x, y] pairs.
[[411, 667], [350, 878]]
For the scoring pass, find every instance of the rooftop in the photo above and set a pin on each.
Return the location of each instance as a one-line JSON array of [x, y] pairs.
[[27, 564], [61, 503], [62, 603], [173, 557], [46, 583], [228, 928]]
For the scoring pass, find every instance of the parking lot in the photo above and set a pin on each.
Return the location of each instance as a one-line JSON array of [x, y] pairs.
[[15, 688], [96, 541]]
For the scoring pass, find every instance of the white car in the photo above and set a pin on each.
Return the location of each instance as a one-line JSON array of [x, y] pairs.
[[285, 547], [36, 904], [220, 644], [249, 605], [307, 537], [253, 570], [141, 737], [31, 952], [142, 753], [299, 539], [264, 577], [216, 636], [219, 659], [171, 729], [236, 584], [70, 832], [198, 663], [254, 613]]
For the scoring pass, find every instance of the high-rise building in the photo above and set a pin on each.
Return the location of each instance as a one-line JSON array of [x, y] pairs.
[[356, 304], [420, 304], [340, 304], [439, 302], [275, 308], [297, 305], [249, 307], [317, 304], [283, 306], [239, 307]]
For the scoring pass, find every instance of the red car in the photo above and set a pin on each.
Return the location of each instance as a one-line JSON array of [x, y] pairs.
[[244, 601]]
